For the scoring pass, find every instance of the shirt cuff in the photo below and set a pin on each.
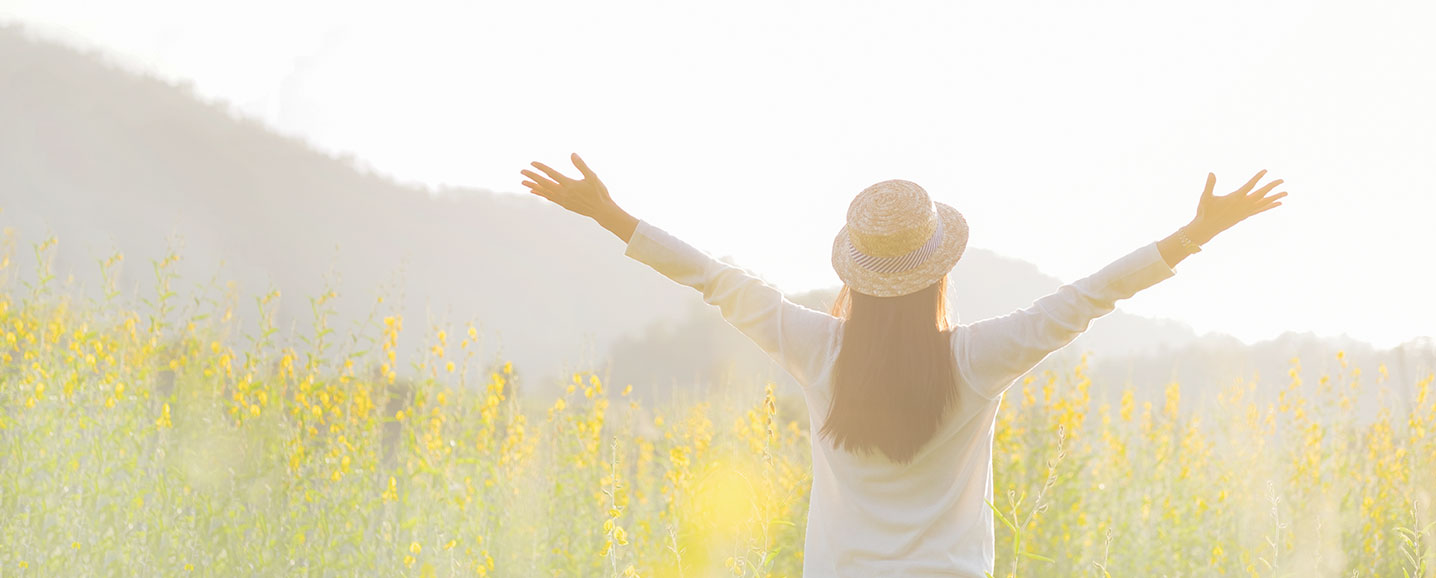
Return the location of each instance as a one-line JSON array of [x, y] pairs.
[[642, 239], [1141, 269]]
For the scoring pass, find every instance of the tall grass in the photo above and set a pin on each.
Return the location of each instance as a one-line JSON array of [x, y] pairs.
[[132, 443]]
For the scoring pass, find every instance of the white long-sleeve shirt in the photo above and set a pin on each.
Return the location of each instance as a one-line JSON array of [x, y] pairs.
[[869, 516]]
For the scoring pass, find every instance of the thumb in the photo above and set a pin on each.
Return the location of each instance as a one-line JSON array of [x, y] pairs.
[[583, 167], [1211, 184]]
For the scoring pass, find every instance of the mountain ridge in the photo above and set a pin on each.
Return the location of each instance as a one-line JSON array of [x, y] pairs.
[[107, 159]]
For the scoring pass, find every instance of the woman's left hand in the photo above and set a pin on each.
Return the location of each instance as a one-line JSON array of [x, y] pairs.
[[587, 196]]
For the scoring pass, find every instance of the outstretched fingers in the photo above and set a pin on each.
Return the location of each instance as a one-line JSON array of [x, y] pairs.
[[541, 181], [1259, 193], [540, 191], [536, 188], [557, 176], [1267, 208], [1266, 203], [1252, 183], [1272, 198]]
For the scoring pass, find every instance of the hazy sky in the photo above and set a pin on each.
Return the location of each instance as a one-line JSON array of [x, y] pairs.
[[1068, 133]]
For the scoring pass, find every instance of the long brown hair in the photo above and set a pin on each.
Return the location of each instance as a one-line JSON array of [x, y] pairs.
[[893, 380]]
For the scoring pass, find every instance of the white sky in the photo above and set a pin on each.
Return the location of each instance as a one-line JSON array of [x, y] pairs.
[[1068, 133]]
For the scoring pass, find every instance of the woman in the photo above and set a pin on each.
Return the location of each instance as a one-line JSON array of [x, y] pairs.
[[902, 465]]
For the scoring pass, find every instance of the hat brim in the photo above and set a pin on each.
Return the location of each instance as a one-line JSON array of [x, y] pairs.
[[937, 265]]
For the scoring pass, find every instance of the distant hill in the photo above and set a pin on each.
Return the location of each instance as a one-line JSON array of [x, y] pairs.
[[702, 347], [1124, 349], [107, 159]]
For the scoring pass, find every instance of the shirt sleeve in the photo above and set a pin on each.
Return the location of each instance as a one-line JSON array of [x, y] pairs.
[[991, 354], [796, 337]]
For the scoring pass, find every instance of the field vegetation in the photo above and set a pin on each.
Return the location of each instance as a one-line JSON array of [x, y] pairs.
[[141, 436]]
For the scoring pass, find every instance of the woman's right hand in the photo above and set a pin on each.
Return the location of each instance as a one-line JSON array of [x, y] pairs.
[[1218, 213]]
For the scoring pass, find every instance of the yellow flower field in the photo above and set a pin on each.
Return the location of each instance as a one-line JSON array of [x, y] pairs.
[[132, 446]]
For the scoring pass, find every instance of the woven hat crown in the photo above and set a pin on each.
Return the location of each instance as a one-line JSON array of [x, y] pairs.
[[897, 240], [891, 218]]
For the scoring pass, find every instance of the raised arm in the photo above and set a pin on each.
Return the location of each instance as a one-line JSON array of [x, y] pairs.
[[796, 337], [993, 353]]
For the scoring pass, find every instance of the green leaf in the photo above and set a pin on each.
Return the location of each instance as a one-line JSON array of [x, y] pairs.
[[1010, 526]]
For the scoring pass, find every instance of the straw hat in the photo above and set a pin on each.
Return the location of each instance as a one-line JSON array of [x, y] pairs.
[[897, 240]]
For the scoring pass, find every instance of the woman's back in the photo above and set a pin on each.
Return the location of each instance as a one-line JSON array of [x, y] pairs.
[[869, 515], [872, 516]]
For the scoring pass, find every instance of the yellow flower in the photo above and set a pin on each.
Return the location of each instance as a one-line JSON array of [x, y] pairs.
[[415, 547]]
